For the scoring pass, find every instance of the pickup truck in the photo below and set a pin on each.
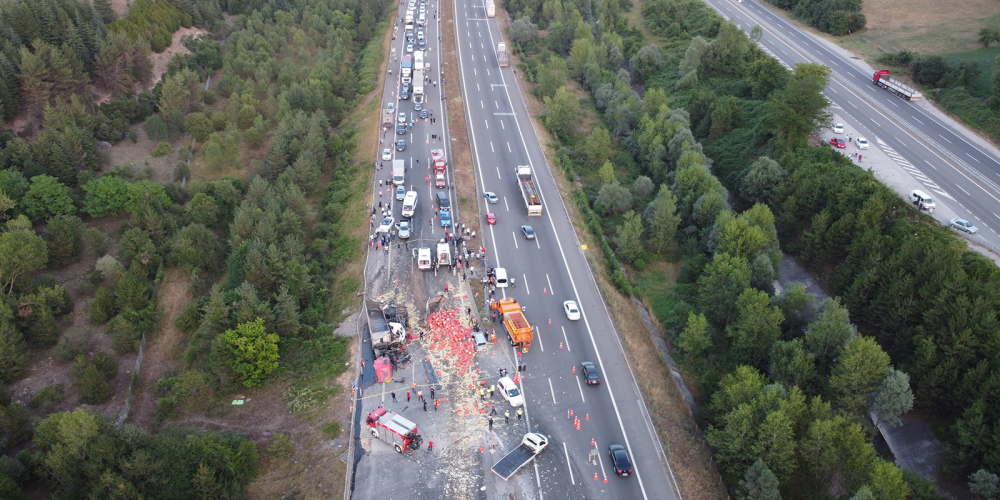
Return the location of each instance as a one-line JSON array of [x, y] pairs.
[[532, 444]]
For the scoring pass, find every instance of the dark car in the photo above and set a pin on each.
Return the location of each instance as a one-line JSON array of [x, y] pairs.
[[590, 373], [405, 86], [620, 460], [423, 113], [400, 129], [400, 145], [421, 44], [404, 94]]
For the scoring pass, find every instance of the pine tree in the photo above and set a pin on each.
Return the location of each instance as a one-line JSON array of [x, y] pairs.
[[36, 89], [104, 9]]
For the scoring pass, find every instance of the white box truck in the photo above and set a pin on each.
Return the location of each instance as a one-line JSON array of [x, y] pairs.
[[398, 172], [418, 84]]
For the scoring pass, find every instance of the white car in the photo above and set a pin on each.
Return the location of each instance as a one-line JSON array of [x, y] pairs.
[[861, 143], [386, 154], [838, 128], [572, 311], [386, 225], [509, 391], [409, 47], [964, 225]]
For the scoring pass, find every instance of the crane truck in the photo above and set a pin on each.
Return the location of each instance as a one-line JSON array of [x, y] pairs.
[[529, 191], [901, 90], [531, 445], [519, 331], [502, 55], [393, 430]]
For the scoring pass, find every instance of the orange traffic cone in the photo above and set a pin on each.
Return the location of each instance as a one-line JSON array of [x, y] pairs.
[[574, 368], [560, 345], [592, 442], [605, 479], [595, 476], [494, 354], [545, 290], [571, 413], [587, 417], [550, 321]]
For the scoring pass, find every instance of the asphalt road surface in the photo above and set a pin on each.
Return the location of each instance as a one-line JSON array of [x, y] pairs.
[[960, 169], [548, 270]]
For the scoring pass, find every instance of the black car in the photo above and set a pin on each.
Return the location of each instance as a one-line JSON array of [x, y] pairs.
[[400, 145], [590, 373], [400, 128], [421, 44], [620, 460]]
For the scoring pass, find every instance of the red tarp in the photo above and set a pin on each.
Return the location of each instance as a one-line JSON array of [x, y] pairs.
[[383, 370]]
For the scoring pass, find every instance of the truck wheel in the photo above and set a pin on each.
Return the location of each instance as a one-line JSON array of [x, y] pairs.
[[511, 339], [399, 449], [374, 433]]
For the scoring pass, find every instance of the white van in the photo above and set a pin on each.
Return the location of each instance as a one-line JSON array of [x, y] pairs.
[[424, 259], [501, 276], [409, 203], [922, 200]]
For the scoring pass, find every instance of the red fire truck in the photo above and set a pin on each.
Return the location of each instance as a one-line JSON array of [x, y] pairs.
[[440, 178], [394, 430]]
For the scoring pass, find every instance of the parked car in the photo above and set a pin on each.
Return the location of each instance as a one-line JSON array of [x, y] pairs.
[[400, 193], [386, 154], [838, 143], [386, 225], [964, 225], [861, 143], [423, 113], [528, 232], [838, 128], [590, 373], [509, 391], [400, 145], [401, 117], [620, 460], [572, 311], [922, 200], [403, 229]]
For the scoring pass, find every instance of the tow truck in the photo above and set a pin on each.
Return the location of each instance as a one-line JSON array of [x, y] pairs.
[[531, 445]]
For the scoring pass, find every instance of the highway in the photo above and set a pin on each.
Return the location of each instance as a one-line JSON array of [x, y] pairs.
[[960, 169], [548, 270]]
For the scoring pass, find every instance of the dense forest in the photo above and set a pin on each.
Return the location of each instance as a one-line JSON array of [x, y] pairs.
[[252, 213], [700, 154]]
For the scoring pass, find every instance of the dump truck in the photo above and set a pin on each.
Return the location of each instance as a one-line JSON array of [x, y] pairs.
[[443, 253], [529, 191], [502, 54], [491, 9], [901, 90], [519, 331], [531, 445], [398, 172], [393, 430]]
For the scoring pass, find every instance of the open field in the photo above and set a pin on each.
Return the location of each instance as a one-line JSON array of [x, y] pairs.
[[923, 26]]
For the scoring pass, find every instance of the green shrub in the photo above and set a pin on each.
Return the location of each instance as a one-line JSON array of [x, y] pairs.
[[162, 149], [156, 128], [331, 430], [102, 306], [47, 397], [106, 363], [64, 237], [125, 334], [96, 240], [280, 448], [620, 281], [72, 344], [89, 382], [189, 318]]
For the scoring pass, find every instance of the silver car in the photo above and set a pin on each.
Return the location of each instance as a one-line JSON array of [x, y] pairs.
[[964, 225], [404, 229], [400, 193]]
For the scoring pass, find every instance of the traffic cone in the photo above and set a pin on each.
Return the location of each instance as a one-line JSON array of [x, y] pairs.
[[494, 354], [517, 378], [574, 368], [605, 479], [545, 290], [550, 321], [571, 413], [595, 476], [592, 442], [587, 417], [560, 345]]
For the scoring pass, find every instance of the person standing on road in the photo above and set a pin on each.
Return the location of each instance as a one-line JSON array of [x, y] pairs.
[[432, 391], [491, 424], [492, 388], [506, 416], [425, 405], [407, 396], [394, 398], [519, 413], [436, 404]]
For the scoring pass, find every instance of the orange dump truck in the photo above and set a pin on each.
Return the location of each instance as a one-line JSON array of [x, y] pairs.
[[518, 329]]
